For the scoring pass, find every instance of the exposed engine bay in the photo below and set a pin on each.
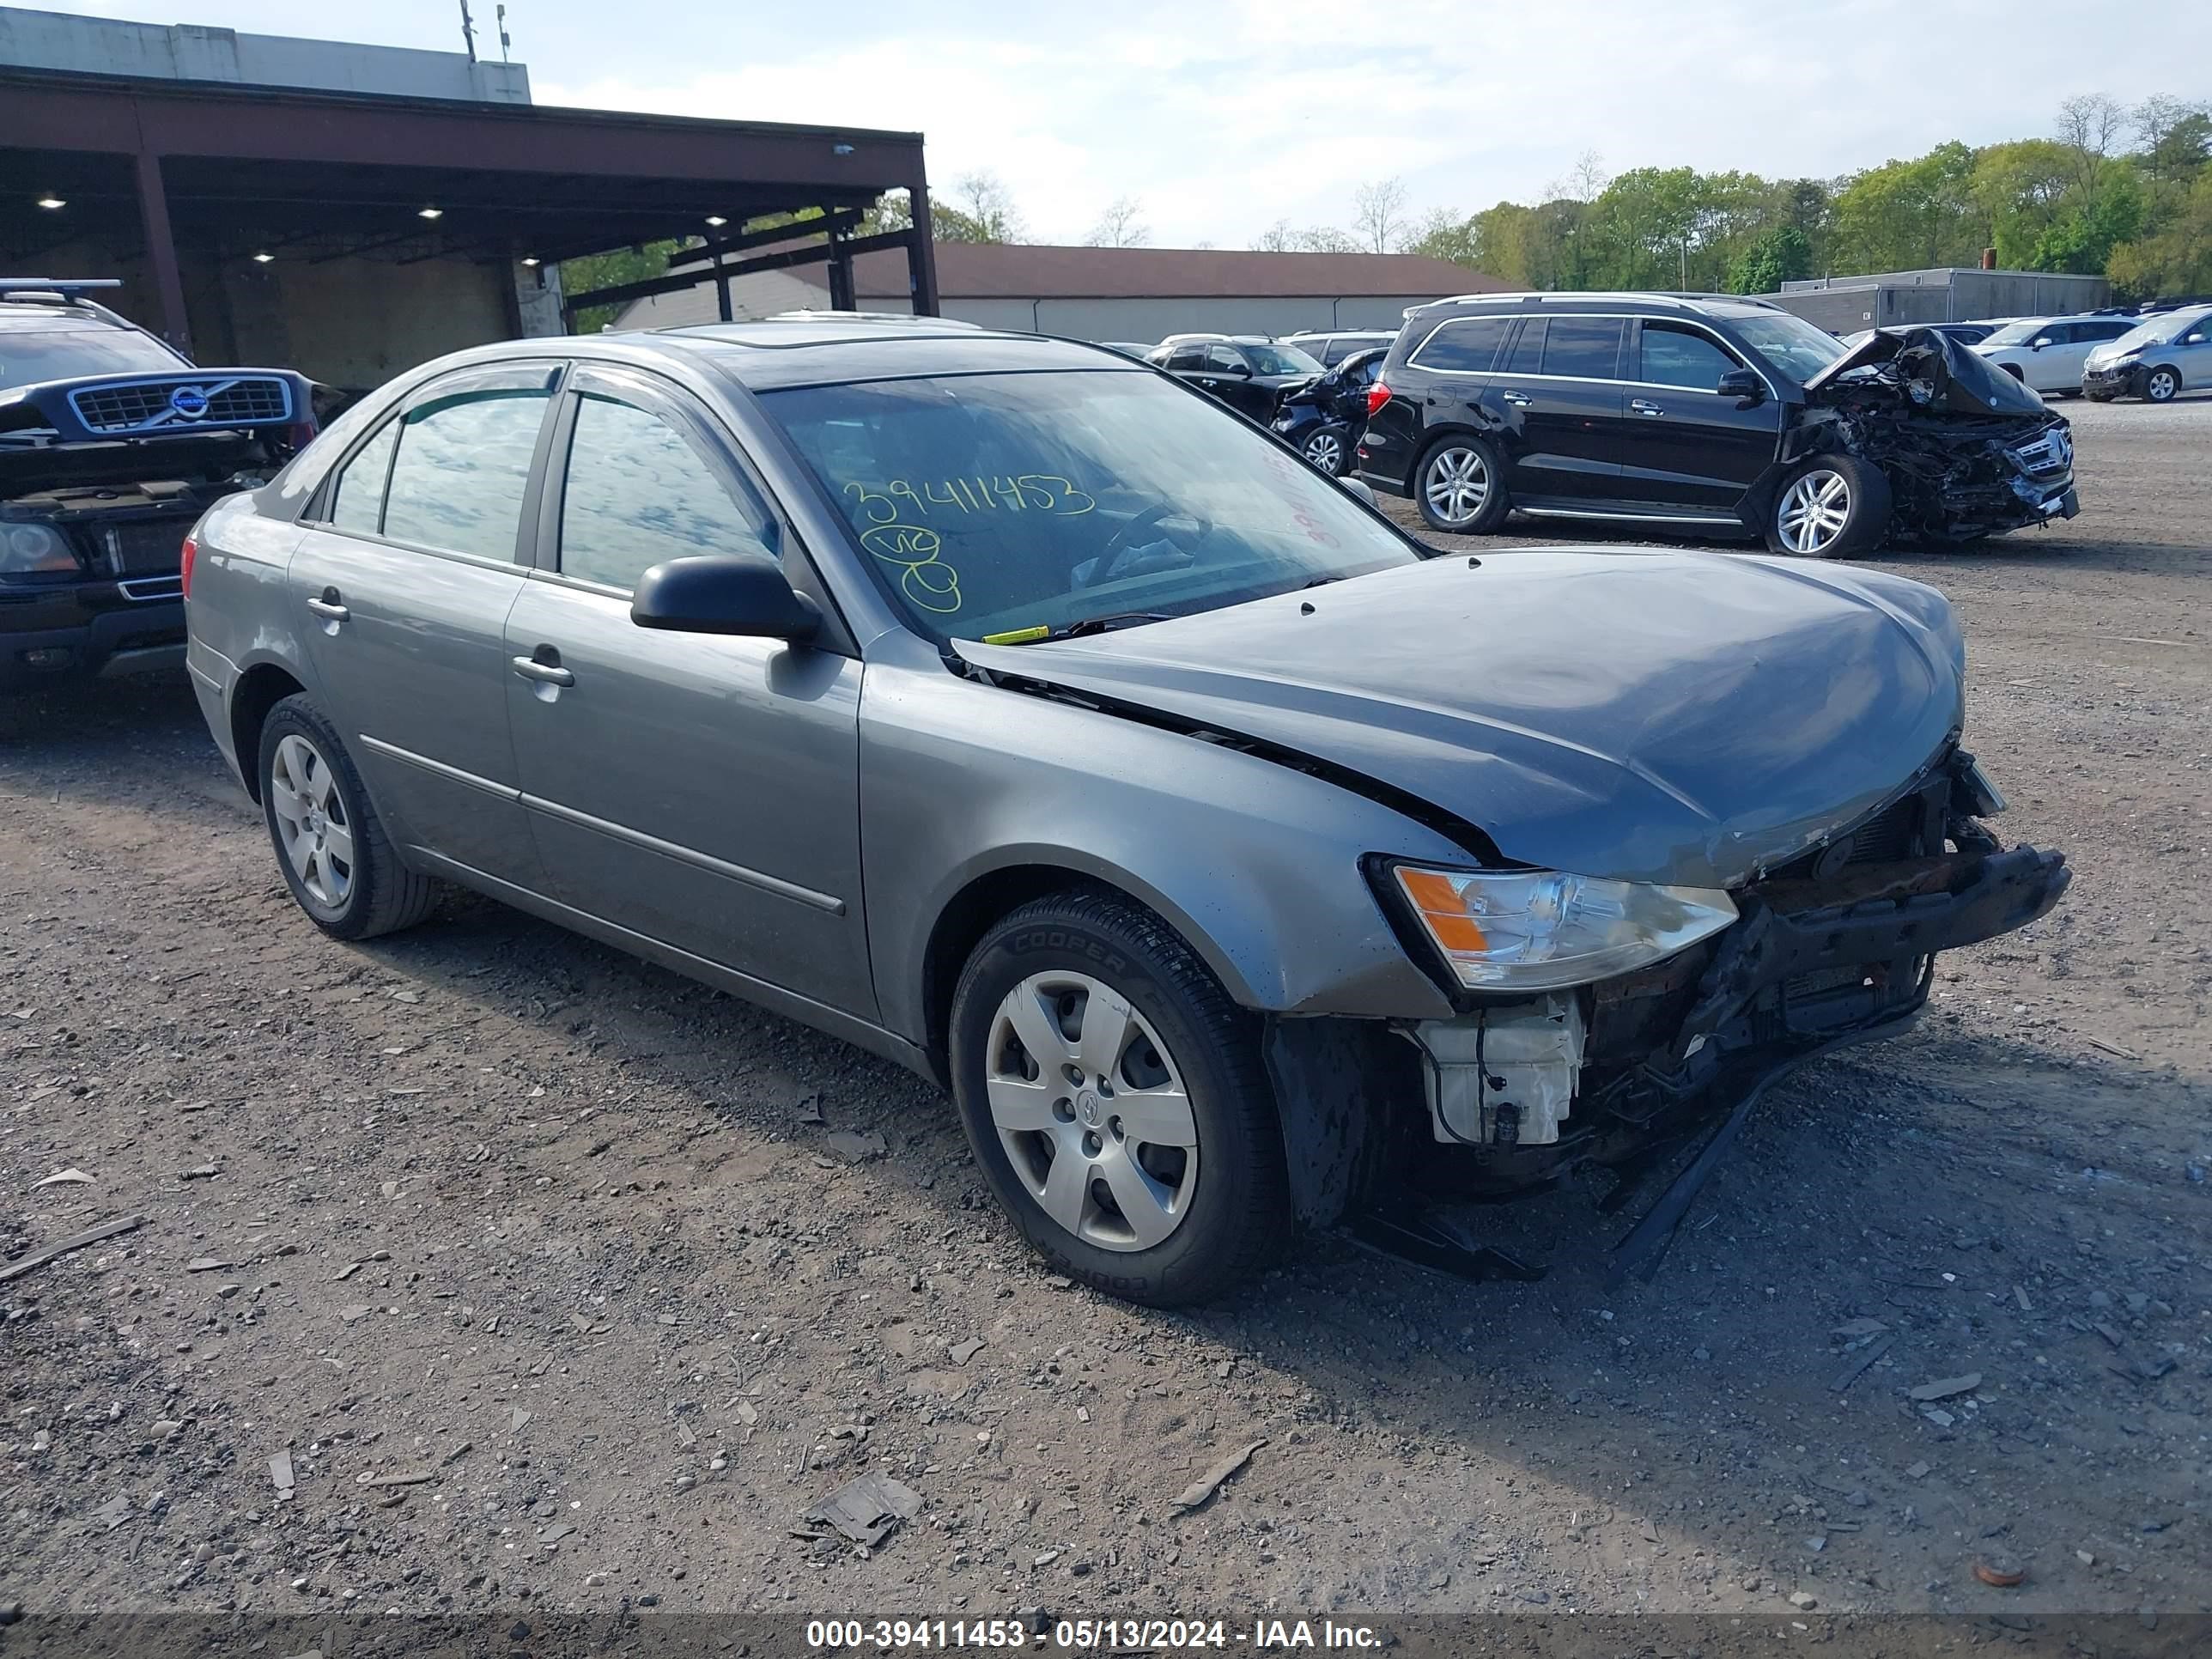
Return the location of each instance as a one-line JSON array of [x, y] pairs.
[[1969, 451]]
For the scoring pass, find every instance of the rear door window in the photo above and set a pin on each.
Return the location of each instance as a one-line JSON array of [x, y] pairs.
[[1527, 356], [639, 491], [1584, 348], [358, 505], [1465, 345], [463, 469], [1674, 356], [2111, 330]]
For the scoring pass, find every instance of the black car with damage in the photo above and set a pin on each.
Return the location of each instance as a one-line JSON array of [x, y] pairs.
[[1323, 418], [1245, 371], [1707, 412], [112, 445]]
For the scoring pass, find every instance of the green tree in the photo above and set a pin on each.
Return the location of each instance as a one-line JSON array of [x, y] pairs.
[[1783, 254], [1904, 215], [2175, 259], [613, 270]]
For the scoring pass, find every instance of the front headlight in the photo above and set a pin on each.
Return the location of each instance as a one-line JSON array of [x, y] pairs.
[[1542, 930], [28, 547]]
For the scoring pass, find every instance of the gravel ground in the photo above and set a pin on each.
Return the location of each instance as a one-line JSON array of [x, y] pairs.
[[623, 1277]]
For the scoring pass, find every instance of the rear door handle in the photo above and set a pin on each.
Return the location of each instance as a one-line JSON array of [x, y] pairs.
[[1644, 408], [326, 606], [549, 673], [1518, 399]]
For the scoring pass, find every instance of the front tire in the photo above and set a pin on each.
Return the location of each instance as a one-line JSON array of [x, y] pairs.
[[1117, 1102], [331, 845], [1460, 486], [2161, 386], [1835, 506]]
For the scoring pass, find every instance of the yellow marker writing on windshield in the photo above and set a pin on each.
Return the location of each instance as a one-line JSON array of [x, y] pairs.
[[1017, 636]]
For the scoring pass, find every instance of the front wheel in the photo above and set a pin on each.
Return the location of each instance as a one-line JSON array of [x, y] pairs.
[[1117, 1102], [2161, 386], [1836, 507], [1460, 486]]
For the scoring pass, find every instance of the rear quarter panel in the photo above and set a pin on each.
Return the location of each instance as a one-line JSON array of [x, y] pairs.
[[238, 618]]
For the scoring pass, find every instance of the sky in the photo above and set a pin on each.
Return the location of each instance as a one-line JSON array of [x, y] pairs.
[[1223, 117]]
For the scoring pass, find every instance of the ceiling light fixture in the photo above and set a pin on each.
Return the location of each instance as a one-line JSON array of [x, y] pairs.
[[51, 203], [263, 257], [716, 220], [529, 260], [430, 213]]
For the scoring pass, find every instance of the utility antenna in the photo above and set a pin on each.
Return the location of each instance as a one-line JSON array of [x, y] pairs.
[[505, 40], [468, 31]]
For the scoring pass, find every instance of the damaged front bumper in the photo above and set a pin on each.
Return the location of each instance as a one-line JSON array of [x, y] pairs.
[[1813, 962]]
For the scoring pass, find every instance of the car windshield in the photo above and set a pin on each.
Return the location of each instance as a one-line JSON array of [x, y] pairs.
[[1281, 360], [31, 356], [2157, 331], [989, 504], [1790, 344], [2018, 333]]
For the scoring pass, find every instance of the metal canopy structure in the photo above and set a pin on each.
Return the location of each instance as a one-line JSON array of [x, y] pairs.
[[148, 168]]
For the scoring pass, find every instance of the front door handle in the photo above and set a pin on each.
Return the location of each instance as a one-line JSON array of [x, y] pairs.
[[1644, 408], [325, 606], [1518, 399], [548, 673]]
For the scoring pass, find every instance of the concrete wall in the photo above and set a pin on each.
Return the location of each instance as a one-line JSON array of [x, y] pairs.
[[192, 51], [1143, 320], [357, 323]]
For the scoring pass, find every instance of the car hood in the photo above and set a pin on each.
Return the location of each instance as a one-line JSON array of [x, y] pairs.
[[1956, 379], [1653, 715]]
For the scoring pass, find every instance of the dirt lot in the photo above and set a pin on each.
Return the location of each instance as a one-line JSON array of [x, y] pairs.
[[611, 1262]]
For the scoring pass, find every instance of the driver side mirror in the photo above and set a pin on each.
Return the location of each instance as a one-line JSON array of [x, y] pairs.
[[724, 593], [1242, 371], [2038, 343], [1744, 385], [2192, 339]]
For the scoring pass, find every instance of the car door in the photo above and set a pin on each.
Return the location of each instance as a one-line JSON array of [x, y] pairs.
[[1228, 375], [2052, 360], [700, 790], [1561, 396], [1684, 444], [2192, 354], [403, 581]]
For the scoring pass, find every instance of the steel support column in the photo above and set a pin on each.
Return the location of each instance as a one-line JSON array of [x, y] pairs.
[[920, 248], [161, 251]]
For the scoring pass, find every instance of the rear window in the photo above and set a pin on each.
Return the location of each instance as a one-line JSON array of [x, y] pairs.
[[1465, 345], [464, 464]]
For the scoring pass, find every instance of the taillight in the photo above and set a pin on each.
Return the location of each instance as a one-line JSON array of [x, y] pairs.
[[189, 551], [1377, 395]]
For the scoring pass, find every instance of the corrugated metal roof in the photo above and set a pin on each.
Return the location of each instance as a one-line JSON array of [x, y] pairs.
[[1030, 270]]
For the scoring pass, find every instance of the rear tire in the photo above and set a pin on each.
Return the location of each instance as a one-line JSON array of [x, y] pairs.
[[1832, 506], [1117, 1102], [1460, 486], [2161, 386], [331, 845], [1327, 448]]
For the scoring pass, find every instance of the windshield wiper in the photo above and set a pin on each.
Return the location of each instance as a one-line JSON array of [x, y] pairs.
[[1076, 630]]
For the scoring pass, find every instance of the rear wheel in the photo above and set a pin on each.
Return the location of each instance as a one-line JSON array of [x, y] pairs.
[[1460, 486], [1326, 450], [329, 843], [1117, 1102], [1836, 507], [2161, 386]]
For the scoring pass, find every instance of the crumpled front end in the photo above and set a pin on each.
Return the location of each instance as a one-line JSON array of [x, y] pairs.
[[1835, 948], [1969, 452]]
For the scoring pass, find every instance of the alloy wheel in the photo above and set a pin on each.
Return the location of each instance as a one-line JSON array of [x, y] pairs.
[[1326, 450], [311, 820], [1456, 484], [1091, 1111], [1813, 511], [2161, 386]]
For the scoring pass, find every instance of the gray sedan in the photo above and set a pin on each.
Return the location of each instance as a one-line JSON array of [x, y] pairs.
[[1001, 705]]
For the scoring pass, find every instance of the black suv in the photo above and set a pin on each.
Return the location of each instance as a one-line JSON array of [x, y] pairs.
[[1244, 370], [112, 445], [1710, 412]]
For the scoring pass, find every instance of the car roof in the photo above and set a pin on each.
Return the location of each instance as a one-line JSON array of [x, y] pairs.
[[36, 317], [766, 356], [1658, 302]]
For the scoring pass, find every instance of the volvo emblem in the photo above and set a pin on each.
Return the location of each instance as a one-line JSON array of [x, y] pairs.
[[189, 401]]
